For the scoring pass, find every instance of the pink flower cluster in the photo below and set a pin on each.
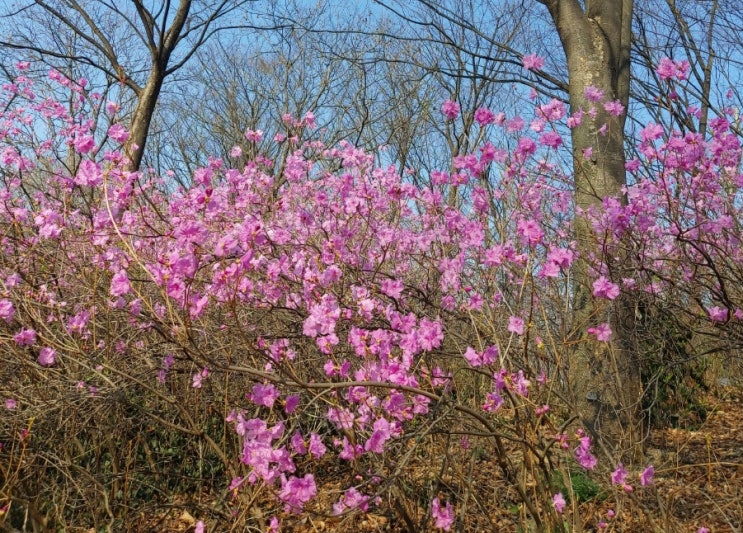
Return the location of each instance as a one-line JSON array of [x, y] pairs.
[[365, 276]]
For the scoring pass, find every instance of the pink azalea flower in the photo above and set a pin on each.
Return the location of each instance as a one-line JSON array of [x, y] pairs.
[[530, 231], [295, 492], [264, 394], [254, 135], [682, 70], [120, 283], [515, 124], [490, 355], [666, 68], [84, 143], [291, 404], [593, 94], [525, 148], [382, 433], [647, 475], [619, 475], [297, 444], [520, 383], [88, 174], [718, 314], [575, 119], [450, 109], [473, 357], [443, 517], [484, 116], [554, 110], [633, 165], [316, 447], [532, 62], [493, 402], [351, 499], [25, 337], [583, 454], [614, 108], [47, 356], [516, 325], [602, 331], [551, 139], [118, 133], [430, 334], [392, 288], [560, 257], [603, 288], [309, 119], [558, 502], [6, 310], [651, 132]]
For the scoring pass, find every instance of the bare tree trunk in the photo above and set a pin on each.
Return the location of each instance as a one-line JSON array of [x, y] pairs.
[[142, 118], [605, 382]]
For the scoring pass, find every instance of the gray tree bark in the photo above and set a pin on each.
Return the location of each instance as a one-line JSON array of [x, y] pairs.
[[605, 382]]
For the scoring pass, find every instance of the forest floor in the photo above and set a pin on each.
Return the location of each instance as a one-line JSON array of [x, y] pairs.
[[698, 483]]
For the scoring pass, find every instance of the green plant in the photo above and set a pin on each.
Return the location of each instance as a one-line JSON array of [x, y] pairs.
[[581, 486]]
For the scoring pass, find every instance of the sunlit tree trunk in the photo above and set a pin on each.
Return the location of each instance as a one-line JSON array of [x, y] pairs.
[[605, 382]]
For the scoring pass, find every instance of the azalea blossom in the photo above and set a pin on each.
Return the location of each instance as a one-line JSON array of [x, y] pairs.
[[443, 516], [484, 116], [558, 502], [583, 453], [118, 133], [450, 109], [473, 357], [47, 356], [614, 108], [516, 325], [593, 94], [254, 135], [603, 288], [6, 310], [602, 331], [647, 475], [295, 492], [120, 283], [619, 475], [25, 337], [718, 314], [532, 62], [668, 69]]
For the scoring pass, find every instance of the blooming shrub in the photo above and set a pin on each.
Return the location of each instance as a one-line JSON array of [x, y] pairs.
[[324, 309]]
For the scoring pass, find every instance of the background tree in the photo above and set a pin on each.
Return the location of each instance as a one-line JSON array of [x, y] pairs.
[[596, 39], [128, 43]]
